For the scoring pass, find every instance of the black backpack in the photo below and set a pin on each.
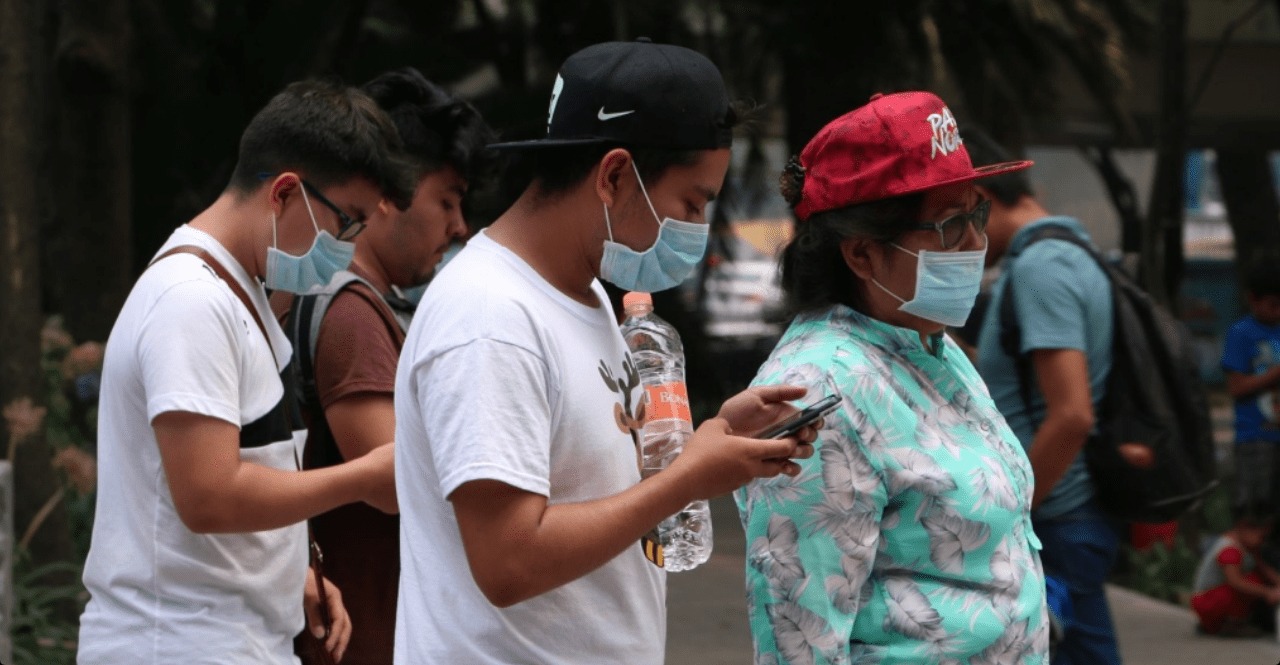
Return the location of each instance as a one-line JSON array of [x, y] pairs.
[[1154, 397], [302, 325]]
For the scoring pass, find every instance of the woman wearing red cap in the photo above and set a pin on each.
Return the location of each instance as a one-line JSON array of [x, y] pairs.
[[907, 538]]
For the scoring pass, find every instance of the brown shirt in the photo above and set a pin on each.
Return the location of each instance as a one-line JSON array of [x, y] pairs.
[[356, 354]]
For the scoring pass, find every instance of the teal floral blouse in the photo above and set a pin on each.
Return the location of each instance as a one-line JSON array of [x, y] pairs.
[[907, 537]]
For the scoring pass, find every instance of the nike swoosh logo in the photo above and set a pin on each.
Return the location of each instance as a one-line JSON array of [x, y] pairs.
[[610, 116]]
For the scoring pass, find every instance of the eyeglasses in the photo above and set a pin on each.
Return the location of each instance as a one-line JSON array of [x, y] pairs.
[[348, 226], [951, 230]]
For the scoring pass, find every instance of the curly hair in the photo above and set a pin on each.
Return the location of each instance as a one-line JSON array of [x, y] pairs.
[[437, 129]]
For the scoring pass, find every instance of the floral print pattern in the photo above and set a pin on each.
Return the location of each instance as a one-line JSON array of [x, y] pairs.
[[906, 538]]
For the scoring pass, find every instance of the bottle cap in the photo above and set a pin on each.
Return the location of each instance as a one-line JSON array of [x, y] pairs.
[[633, 298]]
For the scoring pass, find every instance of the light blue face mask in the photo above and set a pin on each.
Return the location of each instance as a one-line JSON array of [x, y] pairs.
[[413, 294], [947, 285], [299, 274], [671, 260]]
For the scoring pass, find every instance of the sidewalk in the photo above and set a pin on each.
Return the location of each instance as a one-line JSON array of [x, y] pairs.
[[707, 616]]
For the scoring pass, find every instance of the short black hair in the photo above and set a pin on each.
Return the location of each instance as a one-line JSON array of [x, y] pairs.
[[1253, 514], [1262, 276], [437, 129], [1007, 188], [328, 132], [814, 274]]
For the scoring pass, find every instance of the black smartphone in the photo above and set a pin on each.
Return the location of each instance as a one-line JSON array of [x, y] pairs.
[[798, 421]]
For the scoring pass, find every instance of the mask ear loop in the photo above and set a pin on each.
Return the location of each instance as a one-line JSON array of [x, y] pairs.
[[919, 265], [314, 224], [645, 192], [607, 225], [274, 239]]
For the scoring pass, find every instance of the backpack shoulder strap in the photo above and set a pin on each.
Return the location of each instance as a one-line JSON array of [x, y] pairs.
[[221, 271], [311, 309], [303, 327], [1010, 326]]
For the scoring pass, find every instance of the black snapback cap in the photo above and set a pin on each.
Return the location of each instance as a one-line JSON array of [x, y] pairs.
[[637, 94]]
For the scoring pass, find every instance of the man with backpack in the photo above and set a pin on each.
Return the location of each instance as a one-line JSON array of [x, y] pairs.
[[348, 337], [1064, 312], [199, 549]]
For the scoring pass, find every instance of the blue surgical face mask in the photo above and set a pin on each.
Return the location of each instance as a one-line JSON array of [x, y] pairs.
[[671, 260], [413, 294], [947, 284], [447, 256], [299, 274]]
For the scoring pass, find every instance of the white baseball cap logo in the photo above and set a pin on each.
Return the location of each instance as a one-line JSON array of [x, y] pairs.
[[610, 116], [555, 97], [946, 135]]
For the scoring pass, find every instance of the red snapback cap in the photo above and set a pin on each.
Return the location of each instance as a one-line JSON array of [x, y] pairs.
[[896, 144]]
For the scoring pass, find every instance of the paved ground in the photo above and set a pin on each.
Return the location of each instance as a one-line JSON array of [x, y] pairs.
[[707, 617]]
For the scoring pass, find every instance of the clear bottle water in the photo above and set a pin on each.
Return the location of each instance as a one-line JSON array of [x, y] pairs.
[[659, 358]]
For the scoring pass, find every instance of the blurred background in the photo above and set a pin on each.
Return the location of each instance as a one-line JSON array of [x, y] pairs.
[[1155, 121]]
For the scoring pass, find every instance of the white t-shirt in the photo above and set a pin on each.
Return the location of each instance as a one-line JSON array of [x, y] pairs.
[[161, 594], [503, 377]]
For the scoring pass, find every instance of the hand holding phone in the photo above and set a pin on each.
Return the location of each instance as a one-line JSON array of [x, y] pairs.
[[807, 416]]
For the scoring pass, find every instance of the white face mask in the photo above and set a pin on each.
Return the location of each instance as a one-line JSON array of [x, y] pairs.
[[947, 285]]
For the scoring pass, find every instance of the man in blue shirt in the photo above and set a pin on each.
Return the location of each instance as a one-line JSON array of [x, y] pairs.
[[1251, 363], [1063, 306]]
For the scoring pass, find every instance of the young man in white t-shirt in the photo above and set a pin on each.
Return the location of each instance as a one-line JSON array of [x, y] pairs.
[[522, 505], [199, 550]]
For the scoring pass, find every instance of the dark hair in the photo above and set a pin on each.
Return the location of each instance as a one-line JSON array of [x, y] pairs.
[[1253, 514], [1008, 188], [328, 132], [436, 128], [813, 272], [1262, 276]]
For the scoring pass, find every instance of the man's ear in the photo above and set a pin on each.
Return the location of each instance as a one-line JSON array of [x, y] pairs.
[[609, 174], [281, 188], [857, 254]]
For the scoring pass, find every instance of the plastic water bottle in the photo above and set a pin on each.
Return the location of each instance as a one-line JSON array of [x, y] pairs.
[[659, 358]]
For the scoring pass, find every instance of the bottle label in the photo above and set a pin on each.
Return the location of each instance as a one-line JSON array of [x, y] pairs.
[[667, 401]]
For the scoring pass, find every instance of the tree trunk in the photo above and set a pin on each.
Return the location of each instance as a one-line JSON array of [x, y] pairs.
[[1162, 234], [92, 247], [22, 380], [1252, 208]]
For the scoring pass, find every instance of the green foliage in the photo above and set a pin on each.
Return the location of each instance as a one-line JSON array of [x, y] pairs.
[[1167, 573], [48, 596], [41, 636], [1162, 572], [1216, 512]]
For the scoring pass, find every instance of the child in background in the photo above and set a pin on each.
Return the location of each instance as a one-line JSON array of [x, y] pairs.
[[1251, 363], [1233, 586]]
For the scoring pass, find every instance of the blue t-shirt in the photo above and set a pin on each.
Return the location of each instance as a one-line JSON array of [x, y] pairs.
[[1063, 302], [1252, 348]]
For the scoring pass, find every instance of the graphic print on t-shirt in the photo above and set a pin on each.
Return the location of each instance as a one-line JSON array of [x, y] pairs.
[[630, 420], [1268, 400]]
